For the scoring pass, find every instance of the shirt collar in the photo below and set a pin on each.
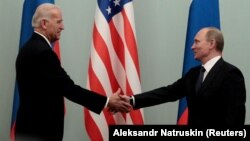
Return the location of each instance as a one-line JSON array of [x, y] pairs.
[[44, 38], [211, 63]]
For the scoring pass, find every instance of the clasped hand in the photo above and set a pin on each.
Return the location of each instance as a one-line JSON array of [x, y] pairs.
[[119, 103]]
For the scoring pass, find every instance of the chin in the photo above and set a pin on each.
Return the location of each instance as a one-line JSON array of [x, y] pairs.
[[196, 58]]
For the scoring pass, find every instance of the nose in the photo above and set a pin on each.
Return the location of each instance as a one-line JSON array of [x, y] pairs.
[[192, 47], [62, 26]]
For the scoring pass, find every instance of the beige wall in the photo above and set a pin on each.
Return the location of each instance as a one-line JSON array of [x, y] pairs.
[[161, 30]]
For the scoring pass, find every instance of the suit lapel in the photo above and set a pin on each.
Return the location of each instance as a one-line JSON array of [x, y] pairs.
[[212, 73]]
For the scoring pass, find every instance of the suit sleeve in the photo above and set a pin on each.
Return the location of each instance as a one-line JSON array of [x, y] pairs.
[[62, 84], [161, 95]]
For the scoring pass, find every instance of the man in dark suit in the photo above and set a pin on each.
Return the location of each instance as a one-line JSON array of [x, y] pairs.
[[220, 100], [43, 83]]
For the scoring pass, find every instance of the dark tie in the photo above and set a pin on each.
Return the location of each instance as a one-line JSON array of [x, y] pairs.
[[200, 79]]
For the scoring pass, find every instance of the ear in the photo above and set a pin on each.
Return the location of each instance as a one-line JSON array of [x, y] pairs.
[[212, 43], [43, 23]]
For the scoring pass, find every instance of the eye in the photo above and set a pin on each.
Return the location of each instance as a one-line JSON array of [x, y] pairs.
[[59, 21]]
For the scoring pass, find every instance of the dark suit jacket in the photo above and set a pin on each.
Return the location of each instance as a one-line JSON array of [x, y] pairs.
[[43, 84], [220, 100]]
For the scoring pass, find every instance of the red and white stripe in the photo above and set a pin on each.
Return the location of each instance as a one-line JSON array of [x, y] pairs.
[[113, 64]]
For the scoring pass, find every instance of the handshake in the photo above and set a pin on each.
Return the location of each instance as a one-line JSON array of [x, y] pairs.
[[119, 103]]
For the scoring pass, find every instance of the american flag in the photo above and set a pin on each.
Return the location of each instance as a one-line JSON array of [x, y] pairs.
[[113, 64]]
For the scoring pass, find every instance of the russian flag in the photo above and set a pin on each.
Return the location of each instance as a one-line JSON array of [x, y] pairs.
[[29, 7], [202, 13]]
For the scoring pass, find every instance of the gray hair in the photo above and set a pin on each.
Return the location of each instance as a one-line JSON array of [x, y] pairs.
[[42, 12], [214, 33]]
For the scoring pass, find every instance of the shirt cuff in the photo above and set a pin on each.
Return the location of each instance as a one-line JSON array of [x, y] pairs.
[[106, 105], [132, 101]]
